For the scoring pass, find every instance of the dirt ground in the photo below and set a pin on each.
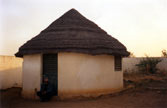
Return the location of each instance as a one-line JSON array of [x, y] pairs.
[[141, 91]]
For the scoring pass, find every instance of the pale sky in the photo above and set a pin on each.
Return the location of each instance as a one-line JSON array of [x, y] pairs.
[[141, 25]]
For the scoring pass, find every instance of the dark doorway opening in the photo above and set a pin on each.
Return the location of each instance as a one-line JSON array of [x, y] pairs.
[[50, 69]]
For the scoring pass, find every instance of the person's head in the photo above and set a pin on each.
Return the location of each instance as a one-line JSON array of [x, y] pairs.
[[45, 80]]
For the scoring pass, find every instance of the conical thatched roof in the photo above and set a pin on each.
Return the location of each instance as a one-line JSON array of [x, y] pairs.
[[72, 32]]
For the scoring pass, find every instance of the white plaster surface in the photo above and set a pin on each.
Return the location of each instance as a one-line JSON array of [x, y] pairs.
[[32, 66], [81, 74]]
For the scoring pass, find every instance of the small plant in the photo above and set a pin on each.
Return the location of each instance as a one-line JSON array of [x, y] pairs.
[[131, 54], [164, 53], [148, 65]]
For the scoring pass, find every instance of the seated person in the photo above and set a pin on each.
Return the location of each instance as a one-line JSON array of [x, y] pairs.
[[46, 92]]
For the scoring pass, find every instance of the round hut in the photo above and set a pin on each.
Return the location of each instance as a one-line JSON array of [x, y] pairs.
[[79, 58]]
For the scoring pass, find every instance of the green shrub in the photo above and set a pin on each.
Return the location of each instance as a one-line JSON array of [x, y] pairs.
[[148, 64]]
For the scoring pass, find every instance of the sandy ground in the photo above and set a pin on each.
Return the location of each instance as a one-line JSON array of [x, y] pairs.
[[141, 92]]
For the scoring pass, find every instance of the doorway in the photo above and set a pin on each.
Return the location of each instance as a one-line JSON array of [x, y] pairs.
[[50, 69]]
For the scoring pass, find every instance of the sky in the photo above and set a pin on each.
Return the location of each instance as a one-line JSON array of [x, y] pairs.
[[141, 25]]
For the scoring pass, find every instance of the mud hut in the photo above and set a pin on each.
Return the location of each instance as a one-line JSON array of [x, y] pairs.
[[79, 58]]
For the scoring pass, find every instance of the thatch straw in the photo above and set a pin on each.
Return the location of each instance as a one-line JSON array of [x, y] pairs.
[[72, 32]]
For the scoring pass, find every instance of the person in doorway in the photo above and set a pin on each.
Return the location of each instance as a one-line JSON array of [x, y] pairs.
[[46, 92]]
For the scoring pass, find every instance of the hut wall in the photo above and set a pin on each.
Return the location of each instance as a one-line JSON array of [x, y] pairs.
[[87, 75], [32, 65]]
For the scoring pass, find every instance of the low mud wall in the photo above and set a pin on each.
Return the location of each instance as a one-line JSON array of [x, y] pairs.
[[10, 72], [129, 64]]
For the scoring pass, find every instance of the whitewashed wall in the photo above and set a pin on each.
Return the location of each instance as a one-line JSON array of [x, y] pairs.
[[87, 75], [10, 72], [129, 64], [32, 66]]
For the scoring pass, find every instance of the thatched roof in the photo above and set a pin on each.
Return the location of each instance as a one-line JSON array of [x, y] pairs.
[[72, 32]]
